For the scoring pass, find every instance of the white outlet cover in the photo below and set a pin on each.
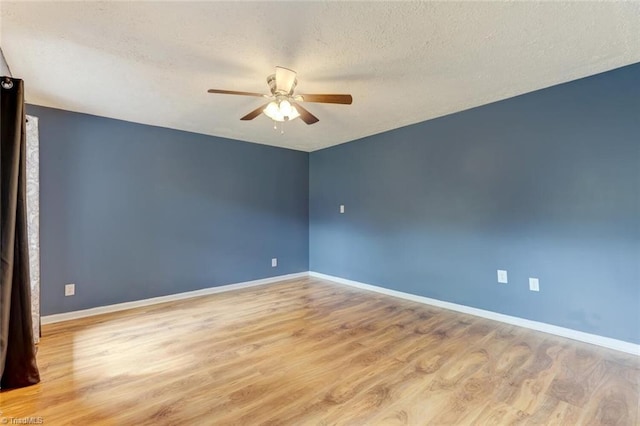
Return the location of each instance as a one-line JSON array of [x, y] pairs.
[[502, 276], [534, 284], [69, 289], [274, 262], [341, 208]]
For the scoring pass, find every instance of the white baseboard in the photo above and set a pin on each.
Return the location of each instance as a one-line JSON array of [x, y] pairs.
[[50, 319], [594, 339]]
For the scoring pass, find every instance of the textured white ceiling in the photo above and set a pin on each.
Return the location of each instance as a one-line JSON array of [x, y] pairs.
[[403, 62]]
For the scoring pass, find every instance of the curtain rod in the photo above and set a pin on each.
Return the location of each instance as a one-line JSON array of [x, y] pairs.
[[7, 83]]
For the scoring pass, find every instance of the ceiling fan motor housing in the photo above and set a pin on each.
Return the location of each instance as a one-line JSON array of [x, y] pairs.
[[271, 81]]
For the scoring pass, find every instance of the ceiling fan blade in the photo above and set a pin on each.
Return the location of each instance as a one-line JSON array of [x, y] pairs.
[[285, 79], [305, 115], [328, 99], [233, 92], [253, 114]]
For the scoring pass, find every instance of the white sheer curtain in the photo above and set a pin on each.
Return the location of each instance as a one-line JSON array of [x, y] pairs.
[[33, 219]]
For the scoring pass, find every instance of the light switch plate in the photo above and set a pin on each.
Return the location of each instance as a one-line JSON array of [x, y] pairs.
[[274, 262], [534, 284], [341, 208], [502, 276]]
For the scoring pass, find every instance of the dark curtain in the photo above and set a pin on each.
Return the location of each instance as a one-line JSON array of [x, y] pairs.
[[17, 351]]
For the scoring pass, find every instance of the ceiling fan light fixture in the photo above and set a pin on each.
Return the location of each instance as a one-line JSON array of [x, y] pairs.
[[273, 112], [285, 107], [281, 111], [294, 113]]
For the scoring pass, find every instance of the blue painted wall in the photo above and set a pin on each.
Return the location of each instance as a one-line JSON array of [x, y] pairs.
[[130, 211], [544, 185]]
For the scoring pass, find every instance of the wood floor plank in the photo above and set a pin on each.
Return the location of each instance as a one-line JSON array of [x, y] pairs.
[[311, 352]]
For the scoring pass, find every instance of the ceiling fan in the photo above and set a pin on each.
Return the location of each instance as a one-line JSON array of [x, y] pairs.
[[284, 105]]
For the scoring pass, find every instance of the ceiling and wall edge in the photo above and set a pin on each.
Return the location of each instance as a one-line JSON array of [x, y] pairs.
[[403, 62], [5, 71], [360, 138]]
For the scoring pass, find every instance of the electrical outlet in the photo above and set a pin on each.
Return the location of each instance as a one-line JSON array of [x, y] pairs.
[[534, 284], [341, 208], [502, 276], [274, 262], [69, 289]]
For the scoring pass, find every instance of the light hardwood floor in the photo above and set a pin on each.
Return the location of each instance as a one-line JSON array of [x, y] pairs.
[[310, 352]]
